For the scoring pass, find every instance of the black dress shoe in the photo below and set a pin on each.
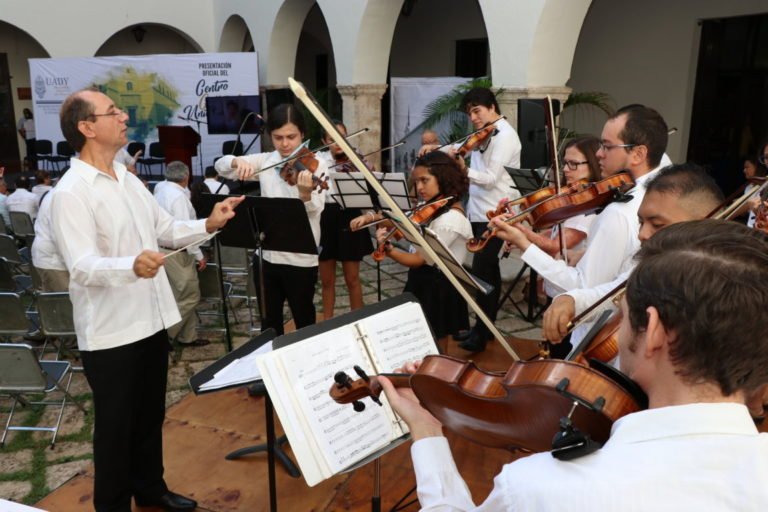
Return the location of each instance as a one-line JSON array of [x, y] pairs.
[[169, 501], [463, 335], [473, 343]]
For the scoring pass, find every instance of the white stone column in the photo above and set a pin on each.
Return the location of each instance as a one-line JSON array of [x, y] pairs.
[[509, 96], [362, 109]]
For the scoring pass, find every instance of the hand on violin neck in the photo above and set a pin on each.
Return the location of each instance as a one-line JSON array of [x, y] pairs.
[[420, 422], [305, 185], [510, 233]]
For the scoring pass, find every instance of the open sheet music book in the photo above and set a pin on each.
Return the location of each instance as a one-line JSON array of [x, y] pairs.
[[328, 438]]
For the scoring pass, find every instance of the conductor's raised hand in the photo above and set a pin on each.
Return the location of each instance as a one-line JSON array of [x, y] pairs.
[[147, 264], [222, 212], [245, 170]]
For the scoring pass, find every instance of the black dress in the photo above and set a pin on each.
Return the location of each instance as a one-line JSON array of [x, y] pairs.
[[337, 241]]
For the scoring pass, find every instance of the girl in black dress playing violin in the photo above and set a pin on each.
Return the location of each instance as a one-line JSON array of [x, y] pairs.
[[436, 175]]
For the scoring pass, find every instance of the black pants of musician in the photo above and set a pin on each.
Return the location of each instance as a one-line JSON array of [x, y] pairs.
[[291, 283], [485, 265], [128, 385]]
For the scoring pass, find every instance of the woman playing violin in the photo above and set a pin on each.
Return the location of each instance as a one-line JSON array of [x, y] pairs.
[[337, 241], [437, 175], [287, 276], [489, 182], [696, 446], [579, 164]]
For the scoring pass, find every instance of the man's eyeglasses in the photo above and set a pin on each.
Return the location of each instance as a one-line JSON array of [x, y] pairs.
[[573, 164], [608, 147], [116, 112]]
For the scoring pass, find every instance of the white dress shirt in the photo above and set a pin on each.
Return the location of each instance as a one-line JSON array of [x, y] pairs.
[[22, 200], [101, 225], [611, 245], [174, 199], [40, 190], [45, 254], [685, 458], [489, 182], [272, 185], [213, 185], [4, 210]]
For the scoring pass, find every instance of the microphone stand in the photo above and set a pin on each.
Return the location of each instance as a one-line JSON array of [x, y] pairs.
[[200, 144]]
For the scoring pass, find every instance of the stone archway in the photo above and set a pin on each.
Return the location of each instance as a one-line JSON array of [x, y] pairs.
[[147, 39], [235, 36]]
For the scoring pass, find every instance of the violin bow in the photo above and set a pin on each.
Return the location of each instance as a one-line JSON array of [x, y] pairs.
[[553, 148], [386, 148], [327, 124]]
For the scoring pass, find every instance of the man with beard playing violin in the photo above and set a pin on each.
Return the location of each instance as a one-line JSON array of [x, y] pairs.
[[698, 358]]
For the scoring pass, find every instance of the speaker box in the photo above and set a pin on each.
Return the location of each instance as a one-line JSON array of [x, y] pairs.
[[532, 129]]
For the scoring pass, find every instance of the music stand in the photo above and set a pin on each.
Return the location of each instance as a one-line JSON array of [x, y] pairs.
[[272, 447], [526, 181], [353, 191]]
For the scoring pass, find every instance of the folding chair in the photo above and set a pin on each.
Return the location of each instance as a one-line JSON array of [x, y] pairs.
[[21, 375], [210, 291], [57, 321], [23, 228], [13, 317], [4, 227]]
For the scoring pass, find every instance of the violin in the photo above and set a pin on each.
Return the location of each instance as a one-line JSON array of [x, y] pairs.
[[419, 215], [304, 159], [535, 197], [476, 140], [557, 208], [522, 409]]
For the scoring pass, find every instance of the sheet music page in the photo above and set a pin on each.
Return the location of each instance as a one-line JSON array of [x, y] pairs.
[[338, 432], [238, 371], [399, 335]]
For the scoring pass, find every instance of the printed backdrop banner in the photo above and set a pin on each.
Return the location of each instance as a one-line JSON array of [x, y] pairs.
[[409, 97], [153, 90]]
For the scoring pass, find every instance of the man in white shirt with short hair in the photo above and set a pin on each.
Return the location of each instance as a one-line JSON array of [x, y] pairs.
[[107, 227], [213, 183], [22, 200], [182, 269]]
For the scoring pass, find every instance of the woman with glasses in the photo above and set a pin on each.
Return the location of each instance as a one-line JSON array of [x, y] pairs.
[[579, 163]]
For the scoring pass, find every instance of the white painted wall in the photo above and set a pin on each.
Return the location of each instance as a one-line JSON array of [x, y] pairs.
[[646, 52], [424, 42]]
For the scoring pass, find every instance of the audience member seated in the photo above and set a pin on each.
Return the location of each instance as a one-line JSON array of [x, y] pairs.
[[42, 184], [3, 199], [22, 200], [213, 183]]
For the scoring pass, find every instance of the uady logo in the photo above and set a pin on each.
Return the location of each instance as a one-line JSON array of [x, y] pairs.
[[39, 86]]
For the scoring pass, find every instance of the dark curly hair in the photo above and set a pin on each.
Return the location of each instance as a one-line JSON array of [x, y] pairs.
[[450, 179]]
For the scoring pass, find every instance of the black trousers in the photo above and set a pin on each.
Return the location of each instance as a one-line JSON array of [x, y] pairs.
[[291, 283], [485, 265], [128, 384]]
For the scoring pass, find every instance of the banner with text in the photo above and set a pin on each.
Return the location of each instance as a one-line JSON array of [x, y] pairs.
[[156, 90]]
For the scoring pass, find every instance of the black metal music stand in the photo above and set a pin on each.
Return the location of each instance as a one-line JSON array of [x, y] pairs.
[[526, 181], [353, 191], [273, 224]]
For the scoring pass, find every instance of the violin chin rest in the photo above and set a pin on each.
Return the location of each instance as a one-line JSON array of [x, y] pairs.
[[570, 443]]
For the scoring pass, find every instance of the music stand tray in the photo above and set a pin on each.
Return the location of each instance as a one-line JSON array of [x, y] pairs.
[[353, 191], [526, 180]]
